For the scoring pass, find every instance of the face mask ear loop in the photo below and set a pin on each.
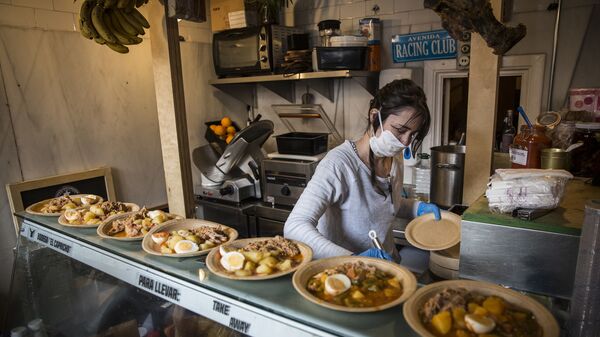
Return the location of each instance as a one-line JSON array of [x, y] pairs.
[[380, 122]]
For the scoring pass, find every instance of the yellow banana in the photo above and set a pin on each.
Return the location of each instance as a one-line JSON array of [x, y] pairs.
[[140, 18], [99, 40], [84, 31], [110, 3], [113, 24], [139, 3], [133, 22], [127, 26], [119, 48], [85, 16], [122, 3], [100, 25]]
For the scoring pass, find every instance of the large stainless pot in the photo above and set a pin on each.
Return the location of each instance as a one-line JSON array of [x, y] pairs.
[[447, 174]]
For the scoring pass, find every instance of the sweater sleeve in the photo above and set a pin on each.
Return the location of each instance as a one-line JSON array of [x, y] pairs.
[[323, 190]]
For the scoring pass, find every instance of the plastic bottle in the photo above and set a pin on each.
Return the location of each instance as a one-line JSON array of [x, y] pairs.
[[508, 132], [518, 150]]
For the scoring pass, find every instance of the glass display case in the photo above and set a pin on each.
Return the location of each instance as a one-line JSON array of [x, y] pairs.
[[82, 285]]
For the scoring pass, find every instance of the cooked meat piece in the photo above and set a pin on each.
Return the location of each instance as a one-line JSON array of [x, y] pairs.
[[56, 204], [278, 243], [113, 207], [214, 234], [447, 299]]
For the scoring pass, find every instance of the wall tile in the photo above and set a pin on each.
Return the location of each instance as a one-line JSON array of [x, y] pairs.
[[303, 18], [385, 6], [355, 10], [347, 26], [43, 4], [392, 20], [423, 27], [327, 13], [17, 16], [407, 5], [51, 20], [288, 18], [423, 16], [66, 5], [194, 34]]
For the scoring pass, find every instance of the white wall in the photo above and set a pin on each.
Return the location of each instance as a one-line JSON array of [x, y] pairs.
[[74, 105]]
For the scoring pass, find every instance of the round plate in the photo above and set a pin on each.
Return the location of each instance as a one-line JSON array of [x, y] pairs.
[[152, 248], [447, 258], [105, 226], [426, 233], [542, 315], [407, 279], [214, 265], [35, 208], [61, 220]]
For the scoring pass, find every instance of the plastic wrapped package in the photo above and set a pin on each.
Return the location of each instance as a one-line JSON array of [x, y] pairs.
[[562, 135], [510, 189]]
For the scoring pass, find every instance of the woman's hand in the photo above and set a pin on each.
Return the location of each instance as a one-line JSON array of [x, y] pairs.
[[425, 207], [377, 253]]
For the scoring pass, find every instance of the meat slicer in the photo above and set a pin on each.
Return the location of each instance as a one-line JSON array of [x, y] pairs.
[[233, 174]]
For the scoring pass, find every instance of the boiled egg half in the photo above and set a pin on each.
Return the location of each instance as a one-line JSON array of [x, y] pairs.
[[88, 199], [185, 246], [71, 215], [224, 249], [479, 324], [336, 284], [160, 237], [233, 261]]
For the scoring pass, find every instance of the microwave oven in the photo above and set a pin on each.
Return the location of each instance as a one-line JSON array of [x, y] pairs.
[[251, 50]]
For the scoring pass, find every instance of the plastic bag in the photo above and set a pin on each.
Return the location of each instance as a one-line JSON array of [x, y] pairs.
[[510, 189]]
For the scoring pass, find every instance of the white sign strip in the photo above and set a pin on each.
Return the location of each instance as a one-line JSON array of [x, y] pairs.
[[229, 312]]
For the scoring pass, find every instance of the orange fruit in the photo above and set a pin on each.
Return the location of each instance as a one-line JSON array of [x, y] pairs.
[[229, 138], [219, 130], [213, 126], [231, 130], [226, 121]]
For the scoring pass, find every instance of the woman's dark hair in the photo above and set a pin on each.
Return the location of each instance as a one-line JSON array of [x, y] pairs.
[[392, 99]]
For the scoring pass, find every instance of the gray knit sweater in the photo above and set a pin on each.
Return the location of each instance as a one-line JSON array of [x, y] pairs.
[[340, 206]]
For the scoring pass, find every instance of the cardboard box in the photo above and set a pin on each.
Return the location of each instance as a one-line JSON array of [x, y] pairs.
[[220, 11]]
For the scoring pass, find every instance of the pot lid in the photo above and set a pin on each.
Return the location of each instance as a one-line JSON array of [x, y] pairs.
[[426, 233]]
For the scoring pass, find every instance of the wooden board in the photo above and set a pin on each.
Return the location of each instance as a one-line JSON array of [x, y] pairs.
[[407, 279], [214, 265], [412, 306], [481, 114], [152, 248]]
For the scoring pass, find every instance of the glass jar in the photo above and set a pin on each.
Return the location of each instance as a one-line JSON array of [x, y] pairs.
[[518, 149], [585, 160], [536, 142]]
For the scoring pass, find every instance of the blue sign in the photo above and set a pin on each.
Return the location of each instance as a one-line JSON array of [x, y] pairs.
[[434, 45]]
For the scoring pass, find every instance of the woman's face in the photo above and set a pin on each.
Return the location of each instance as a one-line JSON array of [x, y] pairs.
[[402, 124]]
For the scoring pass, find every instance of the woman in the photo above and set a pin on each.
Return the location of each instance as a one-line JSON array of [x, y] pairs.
[[357, 186]]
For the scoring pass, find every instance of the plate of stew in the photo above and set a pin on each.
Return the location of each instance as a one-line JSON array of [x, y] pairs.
[[354, 283], [464, 308]]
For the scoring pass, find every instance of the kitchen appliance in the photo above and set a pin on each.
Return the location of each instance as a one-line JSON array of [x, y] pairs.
[[302, 143], [233, 175], [337, 58], [309, 118], [447, 174], [298, 41], [250, 50], [285, 177]]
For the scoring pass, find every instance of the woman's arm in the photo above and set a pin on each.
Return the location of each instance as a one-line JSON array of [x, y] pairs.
[[323, 190]]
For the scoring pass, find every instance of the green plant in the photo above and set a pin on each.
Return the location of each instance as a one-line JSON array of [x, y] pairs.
[[268, 10]]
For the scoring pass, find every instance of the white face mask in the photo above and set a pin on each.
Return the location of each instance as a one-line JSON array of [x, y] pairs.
[[386, 145]]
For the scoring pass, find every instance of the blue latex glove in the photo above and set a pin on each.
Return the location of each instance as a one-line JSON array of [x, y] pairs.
[[377, 253], [425, 207]]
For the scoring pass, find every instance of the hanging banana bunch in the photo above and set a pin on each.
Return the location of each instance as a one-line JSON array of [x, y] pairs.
[[113, 23]]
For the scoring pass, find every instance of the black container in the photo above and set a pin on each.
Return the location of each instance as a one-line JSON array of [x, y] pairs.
[[341, 58], [302, 143], [211, 137]]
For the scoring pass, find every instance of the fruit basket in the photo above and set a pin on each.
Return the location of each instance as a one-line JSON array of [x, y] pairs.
[[213, 137]]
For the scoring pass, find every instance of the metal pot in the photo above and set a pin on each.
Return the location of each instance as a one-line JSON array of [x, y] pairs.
[[447, 174]]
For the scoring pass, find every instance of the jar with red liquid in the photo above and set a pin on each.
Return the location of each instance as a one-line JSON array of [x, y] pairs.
[[536, 142], [518, 149]]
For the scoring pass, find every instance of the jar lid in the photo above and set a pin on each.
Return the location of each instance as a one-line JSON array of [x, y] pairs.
[[549, 119], [329, 24], [588, 126]]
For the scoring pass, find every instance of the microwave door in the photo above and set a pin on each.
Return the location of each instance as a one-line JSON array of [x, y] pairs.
[[237, 52]]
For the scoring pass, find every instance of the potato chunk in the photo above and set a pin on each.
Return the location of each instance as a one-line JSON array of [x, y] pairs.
[[285, 265], [270, 261], [495, 305], [264, 269], [253, 255], [442, 322]]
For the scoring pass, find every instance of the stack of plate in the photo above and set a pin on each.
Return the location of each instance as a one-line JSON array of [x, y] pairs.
[[444, 263], [422, 179], [441, 238]]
